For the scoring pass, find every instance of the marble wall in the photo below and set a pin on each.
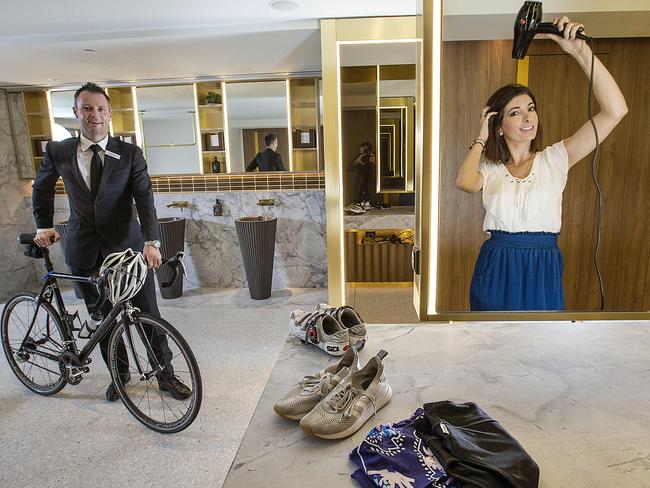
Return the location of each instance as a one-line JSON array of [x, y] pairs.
[[212, 250], [17, 272]]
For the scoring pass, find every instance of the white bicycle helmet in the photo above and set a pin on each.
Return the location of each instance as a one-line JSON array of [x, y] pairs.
[[127, 278]]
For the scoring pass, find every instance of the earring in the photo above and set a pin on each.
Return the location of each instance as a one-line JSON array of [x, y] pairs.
[[501, 133]]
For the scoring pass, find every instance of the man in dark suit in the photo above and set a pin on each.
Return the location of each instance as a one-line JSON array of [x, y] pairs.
[[269, 160], [103, 176]]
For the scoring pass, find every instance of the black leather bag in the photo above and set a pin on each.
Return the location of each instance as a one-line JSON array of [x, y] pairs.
[[474, 448]]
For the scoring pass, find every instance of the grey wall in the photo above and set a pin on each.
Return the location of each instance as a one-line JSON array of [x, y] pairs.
[[212, 250], [17, 272]]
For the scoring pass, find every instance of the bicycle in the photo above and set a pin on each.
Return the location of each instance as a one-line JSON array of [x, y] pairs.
[[39, 343]]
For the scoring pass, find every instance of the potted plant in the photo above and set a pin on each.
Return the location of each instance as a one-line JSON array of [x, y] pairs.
[[213, 98]]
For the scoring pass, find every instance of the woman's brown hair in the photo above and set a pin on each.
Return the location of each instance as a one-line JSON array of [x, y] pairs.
[[496, 149]]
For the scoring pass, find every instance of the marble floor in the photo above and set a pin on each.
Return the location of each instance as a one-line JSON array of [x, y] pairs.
[[575, 395], [382, 303], [77, 438]]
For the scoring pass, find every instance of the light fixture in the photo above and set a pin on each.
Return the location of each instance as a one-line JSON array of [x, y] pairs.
[[284, 5]]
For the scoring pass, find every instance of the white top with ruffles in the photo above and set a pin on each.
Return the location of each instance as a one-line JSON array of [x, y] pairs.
[[531, 204]]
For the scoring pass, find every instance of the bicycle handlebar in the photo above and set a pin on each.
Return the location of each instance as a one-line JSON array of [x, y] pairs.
[[174, 263]]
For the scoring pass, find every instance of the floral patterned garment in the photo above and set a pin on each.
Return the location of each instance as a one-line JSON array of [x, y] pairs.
[[393, 456]]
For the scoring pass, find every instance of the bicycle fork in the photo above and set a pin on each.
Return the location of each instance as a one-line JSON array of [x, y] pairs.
[[157, 368]]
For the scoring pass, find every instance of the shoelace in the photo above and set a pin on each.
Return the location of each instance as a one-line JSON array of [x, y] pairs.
[[343, 401], [312, 384]]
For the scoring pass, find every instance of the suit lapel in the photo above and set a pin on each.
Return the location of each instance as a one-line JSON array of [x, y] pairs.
[[109, 163], [71, 155]]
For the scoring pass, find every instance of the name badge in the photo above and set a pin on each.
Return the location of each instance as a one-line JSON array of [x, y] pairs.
[[112, 154]]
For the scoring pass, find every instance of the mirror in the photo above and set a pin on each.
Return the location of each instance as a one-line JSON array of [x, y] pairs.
[[396, 153], [64, 123], [377, 138], [169, 128], [256, 109], [624, 249]]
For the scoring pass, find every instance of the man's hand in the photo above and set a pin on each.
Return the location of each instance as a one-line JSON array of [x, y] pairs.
[[152, 256], [46, 238]]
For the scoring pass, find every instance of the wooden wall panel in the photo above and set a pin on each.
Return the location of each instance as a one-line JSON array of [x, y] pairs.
[[357, 127], [471, 71]]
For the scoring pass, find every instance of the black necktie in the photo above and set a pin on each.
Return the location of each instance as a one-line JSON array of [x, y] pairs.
[[95, 169]]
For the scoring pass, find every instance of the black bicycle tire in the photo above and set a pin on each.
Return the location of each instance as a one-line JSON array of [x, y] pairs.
[[6, 313], [181, 343]]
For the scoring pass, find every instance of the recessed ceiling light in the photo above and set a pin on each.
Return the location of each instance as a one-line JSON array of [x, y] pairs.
[[284, 5]]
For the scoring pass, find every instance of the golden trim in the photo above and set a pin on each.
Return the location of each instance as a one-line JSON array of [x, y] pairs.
[[380, 284], [522, 71], [331, 152], [536, 316], [334, 33], [226, 125], [289, 126]]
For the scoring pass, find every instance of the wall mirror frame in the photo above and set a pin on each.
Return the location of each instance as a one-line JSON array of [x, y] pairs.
[[336, 33], [203, 109], [430, 171]]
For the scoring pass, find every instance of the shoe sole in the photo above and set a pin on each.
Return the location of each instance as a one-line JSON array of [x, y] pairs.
[[175, 395], [280, 411], [365, 416]]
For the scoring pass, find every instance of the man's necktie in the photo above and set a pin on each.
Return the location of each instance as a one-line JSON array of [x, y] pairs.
[[95, 169]]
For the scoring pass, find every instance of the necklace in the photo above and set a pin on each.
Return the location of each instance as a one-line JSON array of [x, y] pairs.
[[522, 170]]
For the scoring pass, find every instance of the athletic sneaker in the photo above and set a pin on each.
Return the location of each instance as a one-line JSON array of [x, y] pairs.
[[313, 388], [350, 319], [320, 329], [348, 406], [355, 209]]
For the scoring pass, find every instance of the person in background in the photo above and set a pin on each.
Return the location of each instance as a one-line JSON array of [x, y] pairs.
[[520, 266], [103, 176], [270, 159], [364, 164]]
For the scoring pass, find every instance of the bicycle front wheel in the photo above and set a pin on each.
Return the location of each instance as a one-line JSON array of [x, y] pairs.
[[144, 354], [33, 358]]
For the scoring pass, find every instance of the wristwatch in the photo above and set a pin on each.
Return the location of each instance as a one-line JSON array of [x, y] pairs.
[[155, 244]]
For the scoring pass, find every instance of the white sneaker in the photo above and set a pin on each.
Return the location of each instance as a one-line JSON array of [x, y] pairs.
[[348, 406], [313, 388], [355, 209], [350, 319], [366, 205], [321, 330]]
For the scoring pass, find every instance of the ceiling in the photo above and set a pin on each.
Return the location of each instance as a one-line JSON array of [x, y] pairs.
[[55, 43]]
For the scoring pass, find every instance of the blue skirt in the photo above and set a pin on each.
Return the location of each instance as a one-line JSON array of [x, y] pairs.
[[518, 271]]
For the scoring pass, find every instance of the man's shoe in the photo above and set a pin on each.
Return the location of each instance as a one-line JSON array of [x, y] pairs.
[[321, 330], [111, 392], [175, 387]]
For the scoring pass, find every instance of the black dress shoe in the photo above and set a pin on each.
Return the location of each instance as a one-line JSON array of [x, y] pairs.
[[175, 387], [111, 392]]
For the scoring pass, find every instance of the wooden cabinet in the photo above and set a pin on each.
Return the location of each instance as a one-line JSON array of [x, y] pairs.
[[211, 109], [125, 121], [305, 125], [37, 110]]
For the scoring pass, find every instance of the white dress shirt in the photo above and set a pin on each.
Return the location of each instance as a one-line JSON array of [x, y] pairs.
[[84, 157]]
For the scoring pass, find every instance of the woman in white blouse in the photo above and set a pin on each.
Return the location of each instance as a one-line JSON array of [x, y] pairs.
[[520, 266]]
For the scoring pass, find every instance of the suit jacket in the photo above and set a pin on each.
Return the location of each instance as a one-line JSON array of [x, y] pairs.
[[106, 223], [268, 160]]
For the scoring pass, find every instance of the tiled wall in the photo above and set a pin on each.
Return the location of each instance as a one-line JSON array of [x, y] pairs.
[[212, 250], [17, 272]]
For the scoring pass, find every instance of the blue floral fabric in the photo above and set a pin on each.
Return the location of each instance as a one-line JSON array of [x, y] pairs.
[[393, 456]]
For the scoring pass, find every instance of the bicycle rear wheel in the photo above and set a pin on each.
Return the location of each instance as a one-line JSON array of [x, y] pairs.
[[36, 365], [139, 390]]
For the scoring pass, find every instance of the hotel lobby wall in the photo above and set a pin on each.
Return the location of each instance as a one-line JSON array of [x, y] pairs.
[[623, 169], [17, 271], [213, 257]]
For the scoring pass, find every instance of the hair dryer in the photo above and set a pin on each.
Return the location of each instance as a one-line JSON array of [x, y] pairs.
[[527, 24]]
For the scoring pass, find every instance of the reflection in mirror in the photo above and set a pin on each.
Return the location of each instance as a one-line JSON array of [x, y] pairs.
[[377, 93], [168, 120], [256, 109], [65, 124]]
